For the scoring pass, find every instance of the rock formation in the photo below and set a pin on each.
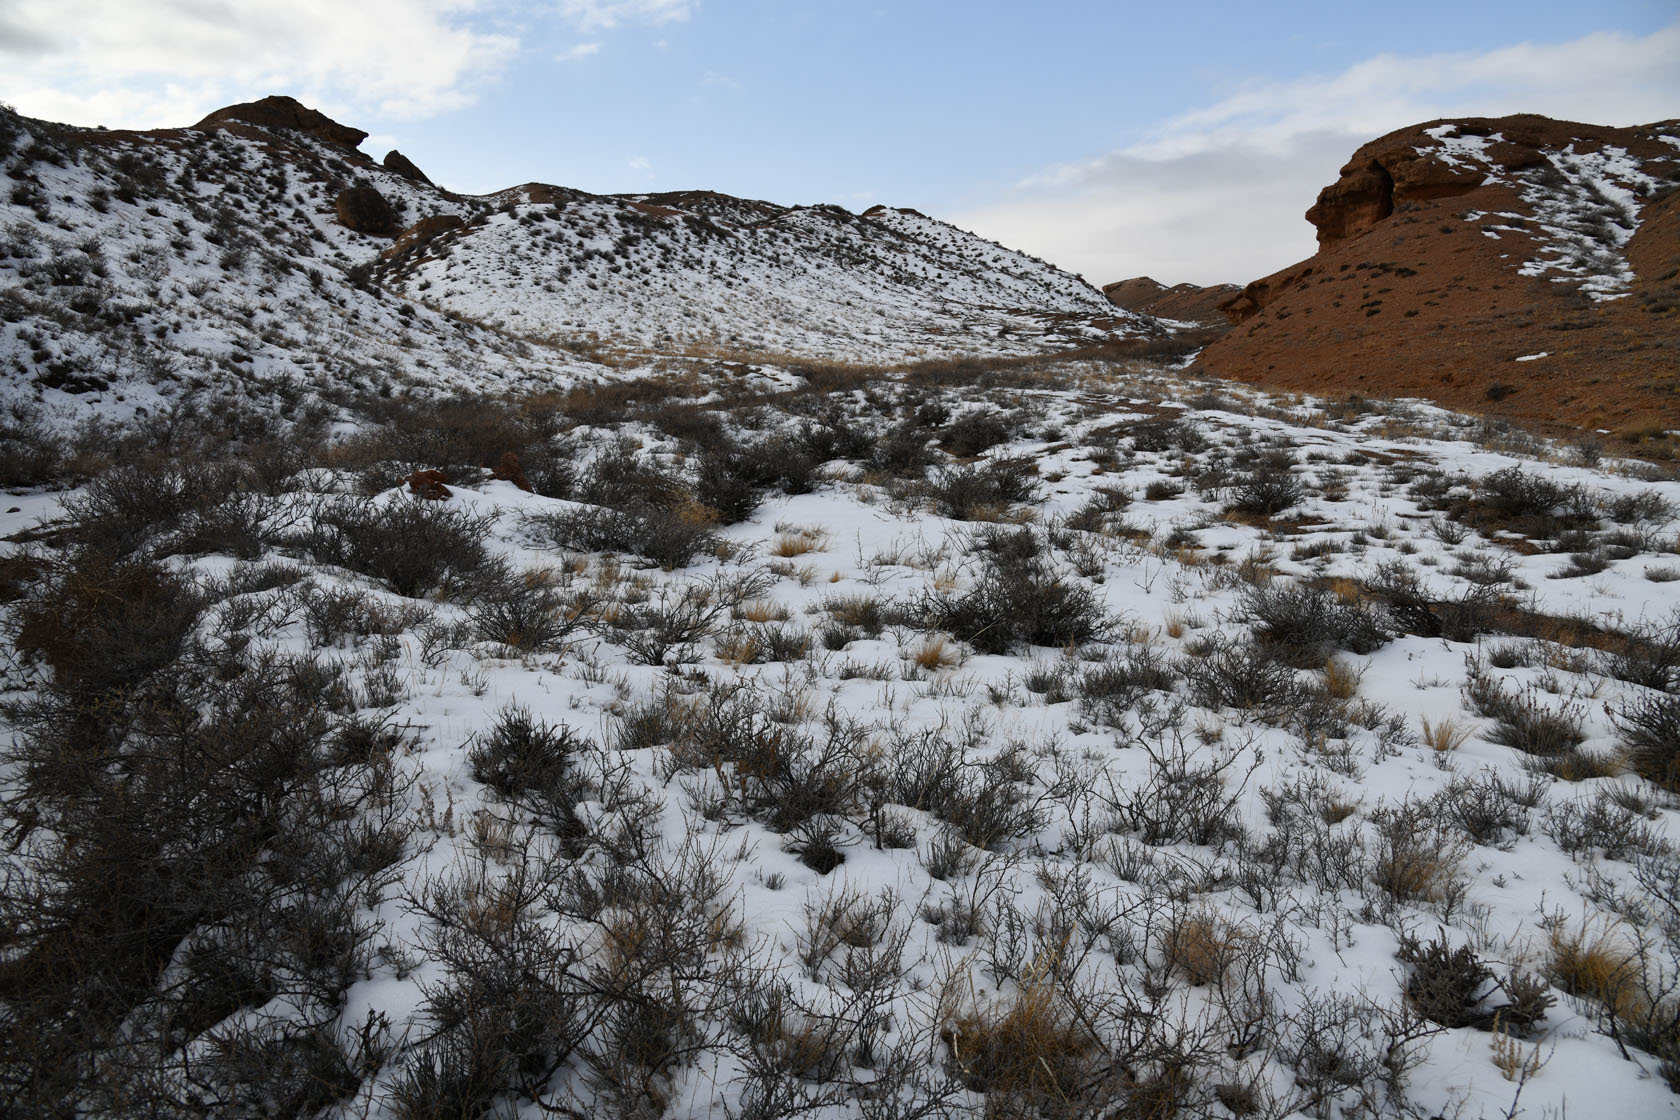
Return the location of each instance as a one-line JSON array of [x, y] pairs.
[[1185, 302], [400, 164], [365, 210], [287, 113], [1515, 265], [422, 232]]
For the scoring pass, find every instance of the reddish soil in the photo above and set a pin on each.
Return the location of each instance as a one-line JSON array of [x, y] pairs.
[[1408, 296], [1187, 302]]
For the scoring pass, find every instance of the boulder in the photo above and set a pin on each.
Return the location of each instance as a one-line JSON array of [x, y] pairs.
[[509, 470], [400, 164], [365, 210], [286, 113], [428, 486]]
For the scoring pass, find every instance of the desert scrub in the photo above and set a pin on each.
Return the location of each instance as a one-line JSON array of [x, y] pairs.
[[1019, 599], [417, 548], [1302, 626]]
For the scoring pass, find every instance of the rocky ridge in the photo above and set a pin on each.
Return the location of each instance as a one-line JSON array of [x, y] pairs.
[[261, 261], [1516, 265], [1191, 303]]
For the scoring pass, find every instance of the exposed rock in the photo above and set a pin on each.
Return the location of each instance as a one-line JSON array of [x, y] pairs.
[[396, 162], [288, 113], [509, 470], [1451, 249], [428, 486], [422, 232], [365, 210]]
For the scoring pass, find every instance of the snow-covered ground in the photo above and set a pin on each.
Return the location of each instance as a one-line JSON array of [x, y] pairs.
[[138, 273], [850, 845]]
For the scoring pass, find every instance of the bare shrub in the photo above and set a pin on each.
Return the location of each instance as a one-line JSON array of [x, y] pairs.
[[1459, 617], [1417, 859], [532, 764], [671, 538], [1243, 676], [1525, 721], [1266, 493], [983, 491], [530, 610], [1018, 599], [1649, 724], [1302, 626], [414, 547], [1111, 690]]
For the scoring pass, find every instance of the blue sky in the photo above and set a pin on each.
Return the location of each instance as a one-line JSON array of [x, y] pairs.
[[1114, 139]]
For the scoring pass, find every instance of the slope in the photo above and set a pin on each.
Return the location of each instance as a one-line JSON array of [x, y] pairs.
[[1517, 265]]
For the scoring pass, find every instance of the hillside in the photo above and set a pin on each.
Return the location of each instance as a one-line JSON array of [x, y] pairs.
[[261, 260], [1517, 266], [1191, 303], [457, 666]]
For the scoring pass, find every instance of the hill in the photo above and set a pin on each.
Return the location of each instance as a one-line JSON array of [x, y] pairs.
[[260, 261], [1519, 266], [1190, 303]]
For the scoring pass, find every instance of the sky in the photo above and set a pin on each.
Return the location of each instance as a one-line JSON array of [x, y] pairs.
[[1114, 139]]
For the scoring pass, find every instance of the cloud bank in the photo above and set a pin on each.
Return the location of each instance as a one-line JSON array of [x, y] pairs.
[[167, 62]]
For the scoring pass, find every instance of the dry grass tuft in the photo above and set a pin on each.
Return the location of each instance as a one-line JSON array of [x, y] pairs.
[[935, 653], [1596, 965], [797, 542], [1445, 736], [1202, 947], [1029, 1048], [762, 610], [1341, 679]]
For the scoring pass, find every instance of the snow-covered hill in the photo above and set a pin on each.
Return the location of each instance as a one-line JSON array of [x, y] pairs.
[[695, 269], [139, 269]]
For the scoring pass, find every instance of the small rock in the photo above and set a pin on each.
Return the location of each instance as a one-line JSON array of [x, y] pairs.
[[428, 485]]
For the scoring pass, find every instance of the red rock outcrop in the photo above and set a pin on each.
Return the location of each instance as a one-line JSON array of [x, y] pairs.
[[365, 210], [1451, 249], [428, 486], [400, 164], [288, 113], [509, 470]]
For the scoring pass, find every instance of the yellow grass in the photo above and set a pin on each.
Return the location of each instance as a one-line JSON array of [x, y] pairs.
[[1341, 679], [935, 653], [1445, 736]]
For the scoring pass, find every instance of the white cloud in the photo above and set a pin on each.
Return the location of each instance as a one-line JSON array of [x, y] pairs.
[[167, 62], [594, 15], [640, 163], [1218, 194], [581, 51]]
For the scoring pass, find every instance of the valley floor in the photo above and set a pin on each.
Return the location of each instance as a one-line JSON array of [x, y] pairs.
[[1056, 739]]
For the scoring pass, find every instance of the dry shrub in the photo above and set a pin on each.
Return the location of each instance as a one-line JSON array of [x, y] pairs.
[[934, 653], [1202, 947], [1341, 680], [1445, 736], [1030, 1048], [1650, 730], [1595, 964], [1417, 859], [797, 543]]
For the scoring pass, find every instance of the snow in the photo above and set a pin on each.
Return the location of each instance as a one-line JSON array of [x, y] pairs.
[[525, 300], [1584, 207]]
